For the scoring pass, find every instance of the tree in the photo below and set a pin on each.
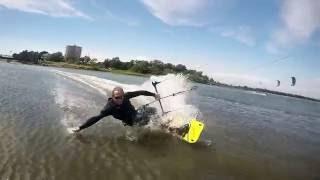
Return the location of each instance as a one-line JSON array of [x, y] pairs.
[[116, 63], [211, 81], [93, 61], [169, 66], [84, 60], [27, 57], [106, 63], [56, 57], [129, 64], [23, 56], [100, 65], [42, 53], [141, 67], [180, 68], [156, 67]]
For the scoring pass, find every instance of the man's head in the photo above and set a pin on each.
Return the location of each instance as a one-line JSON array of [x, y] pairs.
[[117, 95]]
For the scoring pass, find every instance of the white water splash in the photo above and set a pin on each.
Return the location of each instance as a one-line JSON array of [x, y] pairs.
[[181, 113]]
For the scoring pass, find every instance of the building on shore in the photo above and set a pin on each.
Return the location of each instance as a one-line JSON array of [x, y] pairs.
[[73, 53]]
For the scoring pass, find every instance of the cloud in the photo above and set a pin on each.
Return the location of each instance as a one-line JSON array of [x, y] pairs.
[[177, 12], [242, 34], [55, 8], [300, 20]]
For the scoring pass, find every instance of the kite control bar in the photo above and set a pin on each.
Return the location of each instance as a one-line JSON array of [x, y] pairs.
[[155, 87]]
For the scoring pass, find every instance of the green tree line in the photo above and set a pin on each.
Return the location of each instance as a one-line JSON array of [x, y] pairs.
[[35, 57], [154, 67]]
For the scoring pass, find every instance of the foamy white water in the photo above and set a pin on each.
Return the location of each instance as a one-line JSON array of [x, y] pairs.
[[181, 113]]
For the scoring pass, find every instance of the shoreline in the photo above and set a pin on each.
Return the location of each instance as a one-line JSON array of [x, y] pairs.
[[265, 92], [127, 72], [88, 67]]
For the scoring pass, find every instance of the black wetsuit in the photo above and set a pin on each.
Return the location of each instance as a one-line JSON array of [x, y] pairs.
[[124, 112]]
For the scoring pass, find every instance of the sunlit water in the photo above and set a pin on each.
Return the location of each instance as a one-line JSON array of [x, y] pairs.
[[247, 135]]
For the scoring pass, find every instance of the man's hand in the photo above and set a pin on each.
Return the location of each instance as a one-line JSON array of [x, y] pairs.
[[157, 96], [73, 129]]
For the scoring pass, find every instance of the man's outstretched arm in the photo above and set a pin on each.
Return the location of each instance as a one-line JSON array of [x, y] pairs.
[[139, 93], [105, 112], [91, 121]]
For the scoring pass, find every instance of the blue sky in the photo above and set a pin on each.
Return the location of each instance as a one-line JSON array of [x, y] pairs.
[[239, 42]]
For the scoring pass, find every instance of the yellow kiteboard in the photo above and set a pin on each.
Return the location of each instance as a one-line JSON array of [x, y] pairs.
[[194, 133]]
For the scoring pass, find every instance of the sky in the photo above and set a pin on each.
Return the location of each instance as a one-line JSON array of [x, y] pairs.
[[253, 43]]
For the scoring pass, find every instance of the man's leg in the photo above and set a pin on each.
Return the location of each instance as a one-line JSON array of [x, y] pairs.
[[141, 118], [181, 131]]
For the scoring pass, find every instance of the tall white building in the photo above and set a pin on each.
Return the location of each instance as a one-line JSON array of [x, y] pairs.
[[73, 53]]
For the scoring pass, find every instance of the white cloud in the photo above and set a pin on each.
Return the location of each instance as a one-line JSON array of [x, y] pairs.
[[300, 20], [55, 8], [177, 12], [242, 34]]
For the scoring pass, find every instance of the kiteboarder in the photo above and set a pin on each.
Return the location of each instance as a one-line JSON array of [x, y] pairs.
[[120, 107]]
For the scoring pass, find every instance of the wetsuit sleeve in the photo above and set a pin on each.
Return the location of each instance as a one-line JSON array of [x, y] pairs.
[[139, 93], [105, 112]]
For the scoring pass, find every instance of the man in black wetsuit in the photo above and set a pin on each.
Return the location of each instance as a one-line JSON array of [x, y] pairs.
[[120, 107]]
